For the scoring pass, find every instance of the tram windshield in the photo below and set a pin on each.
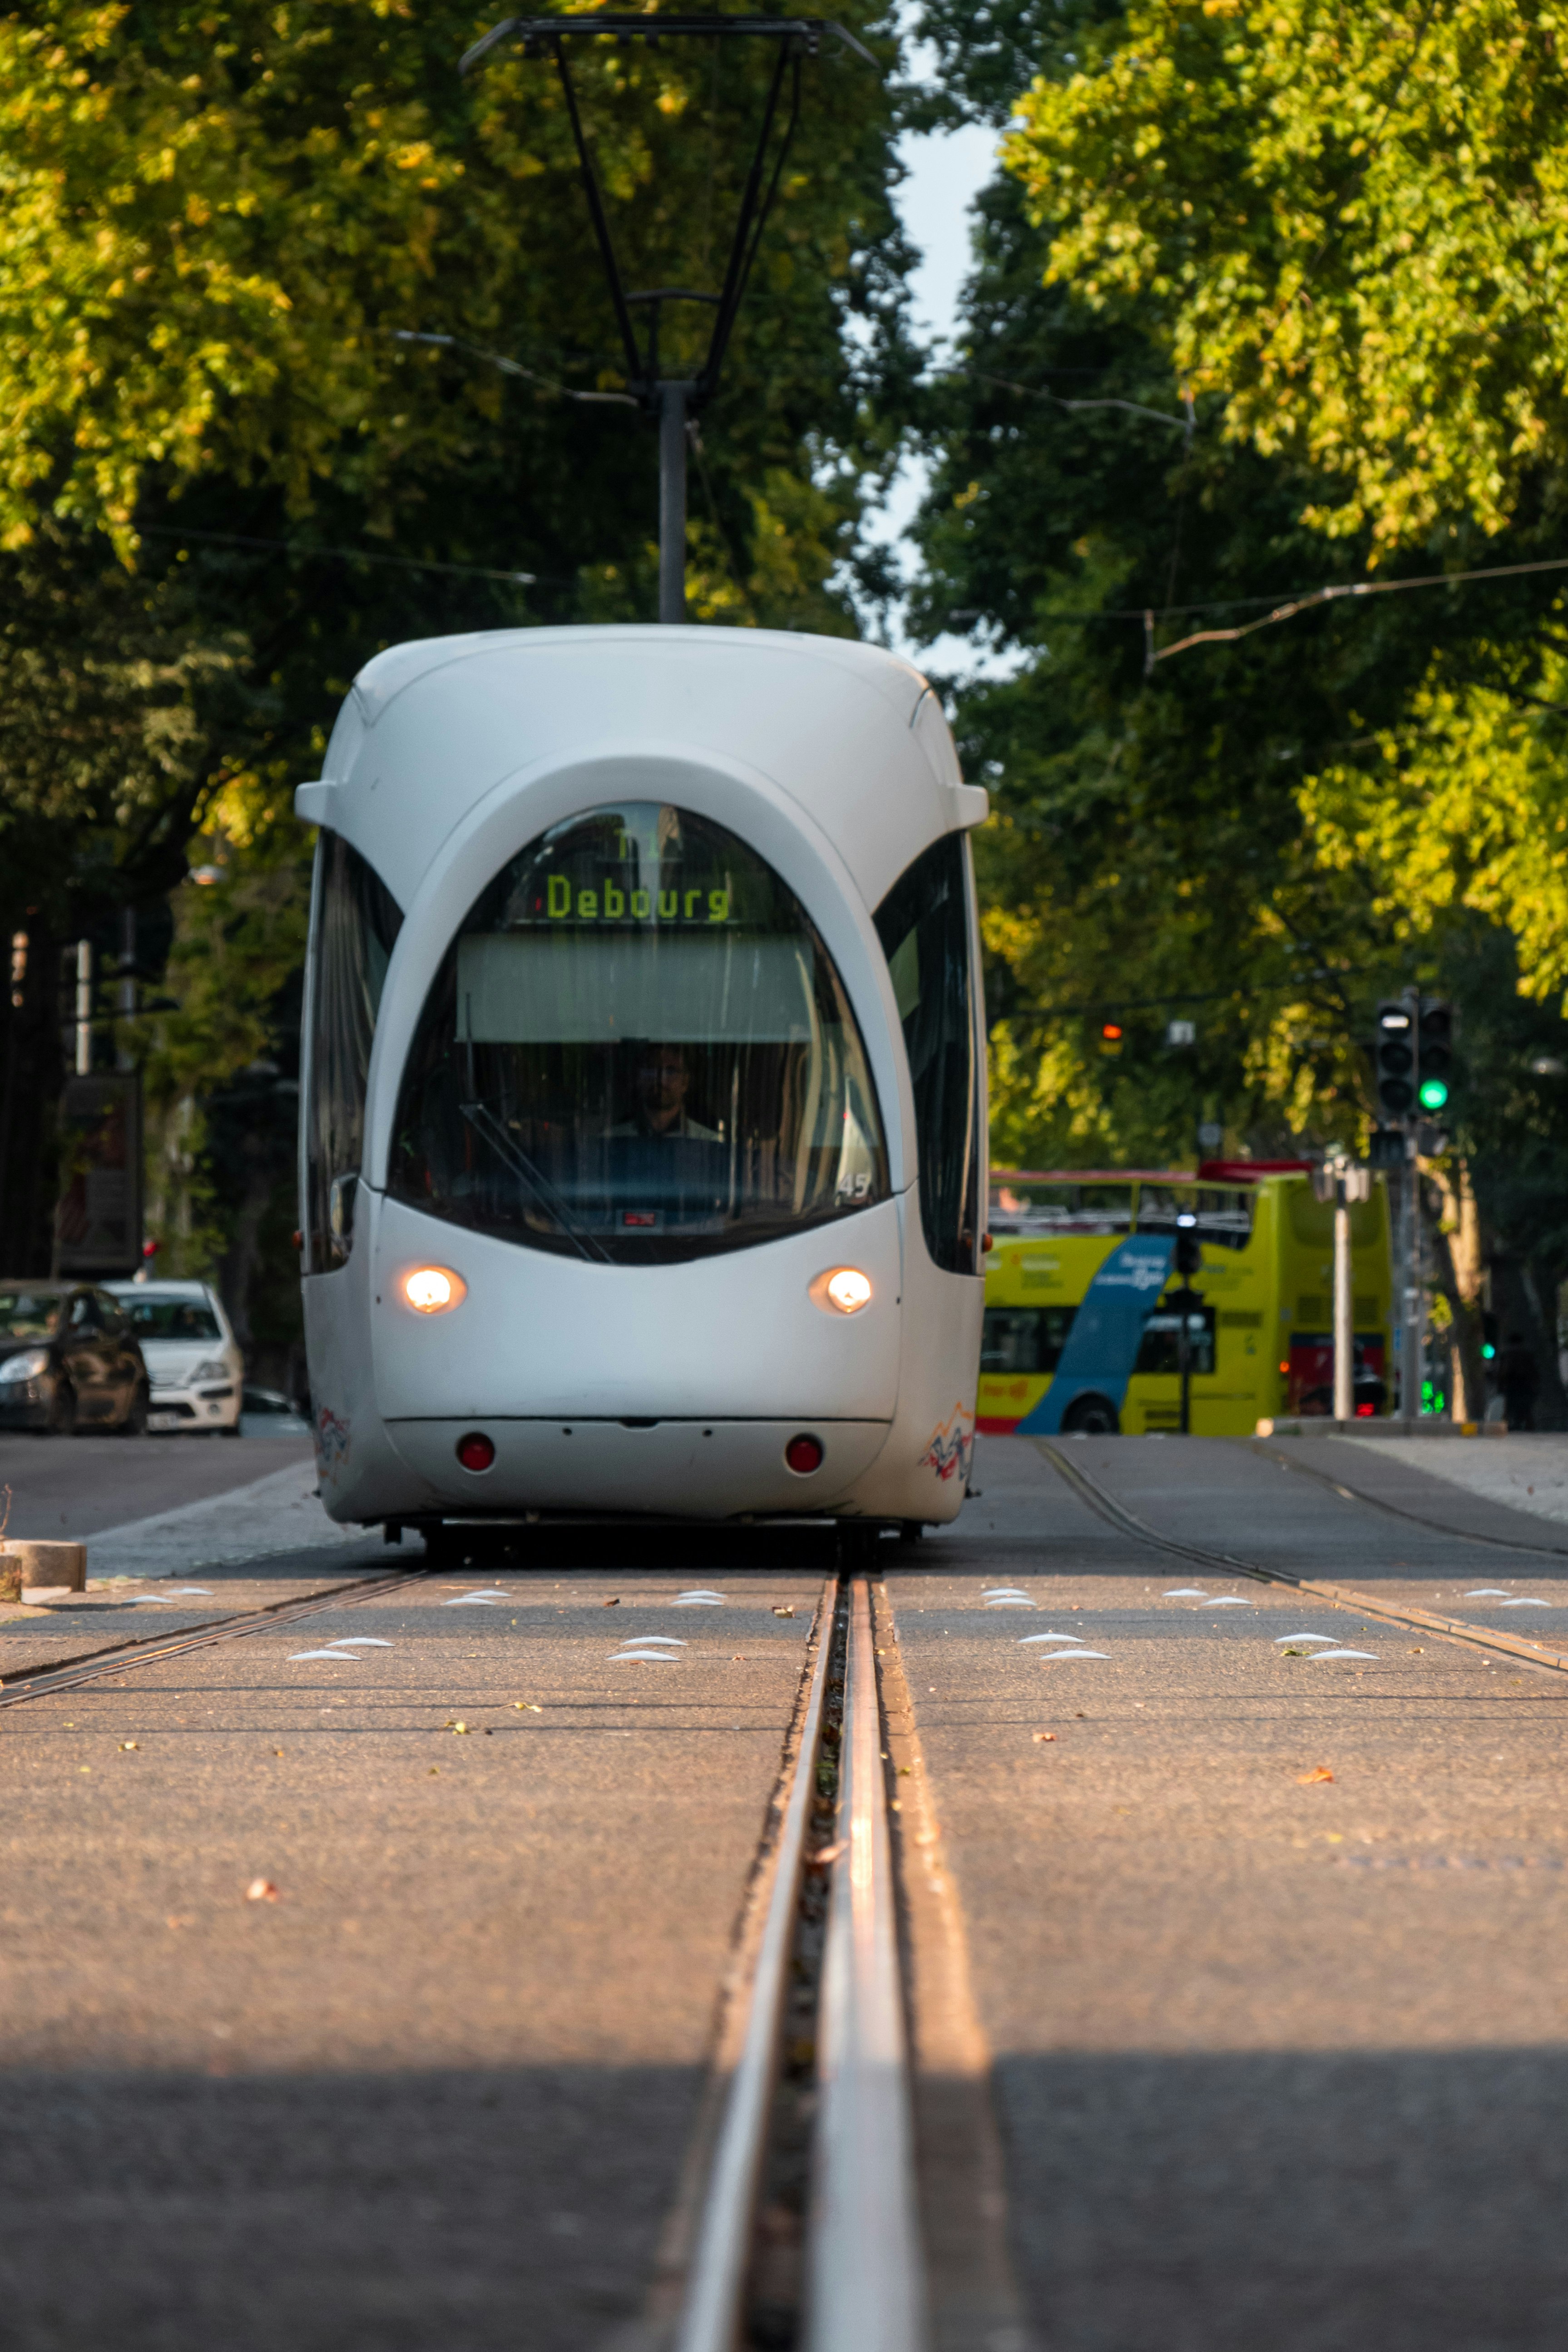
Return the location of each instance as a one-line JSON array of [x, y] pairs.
[[637, 1049]]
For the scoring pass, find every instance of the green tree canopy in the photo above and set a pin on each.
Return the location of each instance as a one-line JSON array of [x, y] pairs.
[[1353, 222]]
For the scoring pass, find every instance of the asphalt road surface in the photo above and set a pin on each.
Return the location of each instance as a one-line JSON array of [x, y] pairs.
[[66, 1488], [1280, 2059], [1266, 1945]]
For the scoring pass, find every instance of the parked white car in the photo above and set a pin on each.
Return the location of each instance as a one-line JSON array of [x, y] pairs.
[[193, 1360]]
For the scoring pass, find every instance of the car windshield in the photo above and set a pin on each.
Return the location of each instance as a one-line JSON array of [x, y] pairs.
[[28, 1314], [158, 1314], [637, 1048]]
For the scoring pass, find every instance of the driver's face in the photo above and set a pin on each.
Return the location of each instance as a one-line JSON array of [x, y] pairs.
[[662, 1081]]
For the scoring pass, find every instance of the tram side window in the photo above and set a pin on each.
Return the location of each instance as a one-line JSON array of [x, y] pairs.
[[637, 1049], [923, 925], [1024, 1339], [356, 922]]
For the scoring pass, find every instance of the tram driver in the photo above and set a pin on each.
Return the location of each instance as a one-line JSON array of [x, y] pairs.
[[661, 1082]]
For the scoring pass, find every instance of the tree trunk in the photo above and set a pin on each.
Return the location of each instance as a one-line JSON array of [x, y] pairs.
[[31, 1076], [1461, 1275]]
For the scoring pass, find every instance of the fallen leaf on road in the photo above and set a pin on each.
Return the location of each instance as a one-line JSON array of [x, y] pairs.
[[526, 1706], [1039, 1736], [129, 1746], [261, 1890], [823, 1855], [611, 1604], [453, 1727], [784, 1612], [1318, 1772]]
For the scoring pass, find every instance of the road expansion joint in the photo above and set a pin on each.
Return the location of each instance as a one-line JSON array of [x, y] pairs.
[[1458, 1630]]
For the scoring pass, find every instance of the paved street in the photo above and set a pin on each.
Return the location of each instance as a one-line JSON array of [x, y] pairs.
[[1278, 2058]]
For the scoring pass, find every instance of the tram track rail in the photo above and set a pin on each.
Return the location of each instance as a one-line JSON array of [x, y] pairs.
[[1107, 1507], [148, 1649], [1398, 1511], [863, 2287], [863, 2279]]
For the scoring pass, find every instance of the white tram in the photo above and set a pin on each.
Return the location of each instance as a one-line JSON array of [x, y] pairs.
[[644, 1121]]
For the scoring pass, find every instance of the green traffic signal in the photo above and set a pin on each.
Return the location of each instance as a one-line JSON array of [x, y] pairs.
[[1433, 1093]]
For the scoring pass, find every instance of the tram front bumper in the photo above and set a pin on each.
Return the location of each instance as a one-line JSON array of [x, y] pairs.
[[710, 1469]]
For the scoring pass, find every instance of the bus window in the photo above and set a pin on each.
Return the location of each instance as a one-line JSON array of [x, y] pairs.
[[1024, 1338], [355, 921], [1160, 1348], [1020, 1206], [923, 925], [637, 1049], [1223, 1217]]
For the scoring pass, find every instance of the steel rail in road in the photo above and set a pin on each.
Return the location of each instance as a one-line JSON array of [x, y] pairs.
[[865, 2286], [717, 2279], [1418, 1621], [148, 1650], [1398, 1511]]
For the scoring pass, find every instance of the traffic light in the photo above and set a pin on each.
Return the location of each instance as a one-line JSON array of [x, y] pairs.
[[1189, 1249], [1111, 1037], [1394, 1059], [1435, 1054]]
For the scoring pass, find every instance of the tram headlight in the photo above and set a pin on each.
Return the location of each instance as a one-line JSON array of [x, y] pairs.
[[841, 1290], [432, 1290]]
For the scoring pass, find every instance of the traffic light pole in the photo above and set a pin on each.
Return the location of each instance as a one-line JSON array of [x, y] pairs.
[[1345, 1321], [1413, 1338]]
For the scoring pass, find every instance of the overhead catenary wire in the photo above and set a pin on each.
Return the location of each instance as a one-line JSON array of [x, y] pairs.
[[1284, 609], [307, 550]]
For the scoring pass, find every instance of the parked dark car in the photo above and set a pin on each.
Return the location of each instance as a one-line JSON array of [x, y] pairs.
[[68, 1361]]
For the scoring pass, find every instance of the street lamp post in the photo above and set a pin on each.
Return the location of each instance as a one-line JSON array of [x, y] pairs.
[[674, 400]]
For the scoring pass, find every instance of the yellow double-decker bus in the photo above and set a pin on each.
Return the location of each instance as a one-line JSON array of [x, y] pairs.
[[1082, 1334]]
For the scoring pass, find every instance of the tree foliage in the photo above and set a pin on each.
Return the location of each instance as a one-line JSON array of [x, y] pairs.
[[1261, 837], [1353, 221], [225, 483]]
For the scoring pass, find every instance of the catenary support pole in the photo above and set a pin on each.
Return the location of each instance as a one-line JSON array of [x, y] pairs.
[[1344, 1326], [672, 501]]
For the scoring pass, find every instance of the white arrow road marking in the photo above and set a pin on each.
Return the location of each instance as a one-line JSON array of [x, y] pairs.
[[1230, 1601], [1526, 1603], [1330, 1638], [699, 1601], [1186, 1592], [1487, 1593], [338, 1657], [1065, 1657], [643, 1658], [1010, 1601], [1024, 1639], [361, 1642], [1319, 1656]]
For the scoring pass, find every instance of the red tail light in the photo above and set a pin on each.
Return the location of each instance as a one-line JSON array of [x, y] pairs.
[[803, 1455], [476, 1451]]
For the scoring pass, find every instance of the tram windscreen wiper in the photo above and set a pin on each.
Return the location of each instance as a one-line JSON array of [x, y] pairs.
[[483, 1120]]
